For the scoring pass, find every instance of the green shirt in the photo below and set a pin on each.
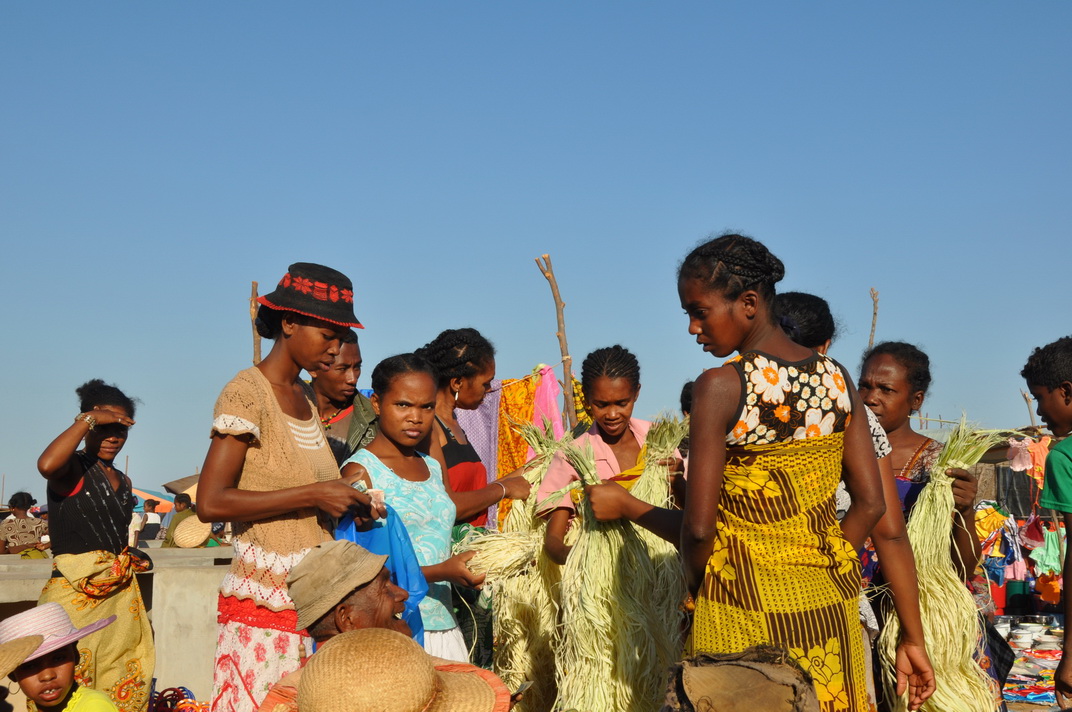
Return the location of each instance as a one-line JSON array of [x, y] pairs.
[[1057, 494], [176, 518]]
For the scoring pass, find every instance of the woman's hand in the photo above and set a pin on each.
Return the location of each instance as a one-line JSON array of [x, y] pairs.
[[107, 416], [610, 501], [516, 487], [339, 496], [965, 488], [455, 570], [914, 673]]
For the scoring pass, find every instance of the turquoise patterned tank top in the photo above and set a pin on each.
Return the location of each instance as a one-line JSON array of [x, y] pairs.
[[428, 513]]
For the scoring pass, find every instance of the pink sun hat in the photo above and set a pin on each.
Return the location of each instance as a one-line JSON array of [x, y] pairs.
[[51, 621]]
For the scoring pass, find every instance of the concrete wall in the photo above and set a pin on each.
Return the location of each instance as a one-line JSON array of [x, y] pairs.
[[180, 593]]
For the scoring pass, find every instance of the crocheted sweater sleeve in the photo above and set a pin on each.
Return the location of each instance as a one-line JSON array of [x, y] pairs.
[[239, 409]]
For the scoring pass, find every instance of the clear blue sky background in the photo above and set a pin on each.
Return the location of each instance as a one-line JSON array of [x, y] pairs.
[[155, 158]]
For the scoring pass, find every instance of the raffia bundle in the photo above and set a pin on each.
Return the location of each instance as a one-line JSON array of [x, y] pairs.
[[951, 624], [526, 598], [606, 653], [653, 487]]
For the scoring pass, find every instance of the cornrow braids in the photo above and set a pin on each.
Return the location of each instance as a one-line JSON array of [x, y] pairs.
[[917, 365], [1049, 366], [733, 264], [458, 353], [612, 362], [96, 392]]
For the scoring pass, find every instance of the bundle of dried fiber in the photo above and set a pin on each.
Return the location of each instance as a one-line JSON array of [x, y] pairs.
[[951, 624], [526, 603], [606, 656], [653, 487]]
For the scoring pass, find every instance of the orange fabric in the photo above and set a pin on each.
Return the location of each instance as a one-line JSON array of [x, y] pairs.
[[516, 404], [1049, 588], [1039, 450]]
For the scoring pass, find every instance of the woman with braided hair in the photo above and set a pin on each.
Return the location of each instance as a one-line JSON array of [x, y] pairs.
[[610, 379], [465, 362]]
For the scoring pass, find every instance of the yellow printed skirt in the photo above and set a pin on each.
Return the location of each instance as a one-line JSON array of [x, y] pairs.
[[118, 660], [781, 572]]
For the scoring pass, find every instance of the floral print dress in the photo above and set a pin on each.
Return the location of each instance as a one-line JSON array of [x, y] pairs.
[[781, 572]]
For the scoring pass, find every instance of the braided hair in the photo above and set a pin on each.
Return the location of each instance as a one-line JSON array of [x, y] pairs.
[[805, 318], [458, 353], [917, 365], [612, 362], [733, 264], [96, 392], [394, 366]]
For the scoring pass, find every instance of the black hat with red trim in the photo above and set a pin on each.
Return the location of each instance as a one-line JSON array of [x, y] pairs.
[[317, 291]]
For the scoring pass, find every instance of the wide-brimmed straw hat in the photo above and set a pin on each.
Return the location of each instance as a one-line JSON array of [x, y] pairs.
[[379, 670], [317, 291], [327, 575], [192, 533], [51, 621], [14, 652]]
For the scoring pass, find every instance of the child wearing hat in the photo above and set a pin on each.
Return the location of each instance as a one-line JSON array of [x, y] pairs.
[[47, 675]]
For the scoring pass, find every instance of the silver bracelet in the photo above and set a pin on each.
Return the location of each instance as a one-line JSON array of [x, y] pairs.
[[504, 490], [87, 419]]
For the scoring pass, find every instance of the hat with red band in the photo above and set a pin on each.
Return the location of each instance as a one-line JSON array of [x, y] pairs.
[[317, 291]]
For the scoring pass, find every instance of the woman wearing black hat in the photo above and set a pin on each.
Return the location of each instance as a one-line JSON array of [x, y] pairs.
[[270, 470]]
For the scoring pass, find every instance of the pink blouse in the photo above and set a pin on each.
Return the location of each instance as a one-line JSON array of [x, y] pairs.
[[560, 473]]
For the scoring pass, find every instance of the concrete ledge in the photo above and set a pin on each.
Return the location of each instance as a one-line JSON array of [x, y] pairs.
[[180, 593]]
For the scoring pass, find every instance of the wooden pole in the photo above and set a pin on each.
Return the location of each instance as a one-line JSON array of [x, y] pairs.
[[1030, 409], [567, 361], [874, 318], [253, 322]]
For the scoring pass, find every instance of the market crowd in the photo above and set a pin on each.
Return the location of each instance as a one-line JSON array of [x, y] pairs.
[[351, 517]]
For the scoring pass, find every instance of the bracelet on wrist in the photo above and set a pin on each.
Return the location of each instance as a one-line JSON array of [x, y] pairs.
[[87, 419], [503, 496]]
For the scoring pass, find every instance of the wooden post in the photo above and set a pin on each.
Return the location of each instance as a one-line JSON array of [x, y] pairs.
[[253, 322], [874, 318], [567, 361], [1030, 410]]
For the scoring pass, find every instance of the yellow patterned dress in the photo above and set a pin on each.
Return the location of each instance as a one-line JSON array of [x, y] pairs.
[[781, 571]]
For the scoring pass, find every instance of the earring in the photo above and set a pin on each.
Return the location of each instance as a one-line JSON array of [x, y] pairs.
[[455, 396]]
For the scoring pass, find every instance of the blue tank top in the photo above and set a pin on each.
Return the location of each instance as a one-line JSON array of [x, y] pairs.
[[428, 513]]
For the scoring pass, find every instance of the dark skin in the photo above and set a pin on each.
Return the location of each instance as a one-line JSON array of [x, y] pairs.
[[63, 470], [1054, 407], [610, 402], [406, 412], [885, 388], [468, 393], [303, 344], [335, 387], [5, 549]]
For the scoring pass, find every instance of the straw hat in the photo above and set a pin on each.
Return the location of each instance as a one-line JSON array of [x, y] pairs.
[[317, 291], [378, 670], [51, 621], [14, 652], [192, 532], [327, 575]]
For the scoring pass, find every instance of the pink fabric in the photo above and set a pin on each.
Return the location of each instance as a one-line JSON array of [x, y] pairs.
[[1019, 455], [560, 473], [546, 404]]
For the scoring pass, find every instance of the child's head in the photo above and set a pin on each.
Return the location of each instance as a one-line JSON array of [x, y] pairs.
[[806, 319], [1048, 373], [465, 362], [610, 378], [726, 286], [404, 397], [48, 679], [47, 675]]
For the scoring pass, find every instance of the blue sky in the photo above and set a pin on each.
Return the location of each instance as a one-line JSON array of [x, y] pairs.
[[157, 157]]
